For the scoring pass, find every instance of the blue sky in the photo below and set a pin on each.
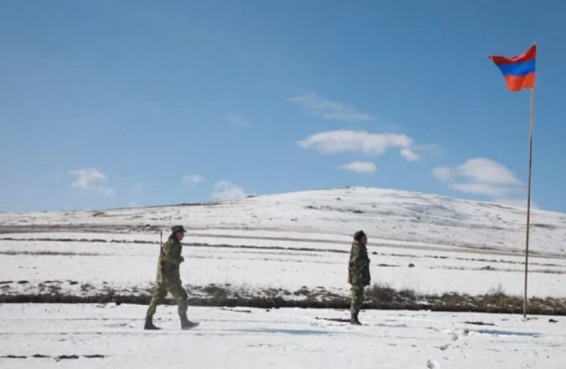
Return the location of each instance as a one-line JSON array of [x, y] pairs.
[[129, 103]]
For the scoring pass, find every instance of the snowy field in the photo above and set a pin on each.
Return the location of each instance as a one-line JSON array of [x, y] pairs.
[[423, 243], [109, 336], [127, 266]]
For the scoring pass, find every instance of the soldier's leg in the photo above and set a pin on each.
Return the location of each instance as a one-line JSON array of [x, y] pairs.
[[157, 298], [176, 289], [361, 297], [356, 303], [357, 298], [181, 298]]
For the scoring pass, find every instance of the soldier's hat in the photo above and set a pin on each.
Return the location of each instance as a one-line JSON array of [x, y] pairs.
[[178, 228], [358, 235]]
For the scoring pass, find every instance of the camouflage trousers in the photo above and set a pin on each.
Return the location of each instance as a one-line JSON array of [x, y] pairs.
[[357, 298], [173, 286]]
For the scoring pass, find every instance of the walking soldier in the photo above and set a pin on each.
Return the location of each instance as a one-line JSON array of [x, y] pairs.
[[169, 280]]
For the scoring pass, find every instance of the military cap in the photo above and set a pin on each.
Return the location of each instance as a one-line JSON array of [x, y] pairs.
[[358, 235], [178, 228]]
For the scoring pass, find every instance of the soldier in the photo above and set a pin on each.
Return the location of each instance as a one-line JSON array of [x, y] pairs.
[[358, 274], [169, 280]]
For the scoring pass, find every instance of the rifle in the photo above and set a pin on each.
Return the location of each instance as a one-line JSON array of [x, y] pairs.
[[160, 245]]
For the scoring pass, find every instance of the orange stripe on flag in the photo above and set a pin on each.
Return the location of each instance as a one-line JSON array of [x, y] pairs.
[[518, 83]]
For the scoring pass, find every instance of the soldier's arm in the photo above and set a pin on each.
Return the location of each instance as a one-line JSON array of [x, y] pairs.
[[365, 257], [354, 254], [172, 253]]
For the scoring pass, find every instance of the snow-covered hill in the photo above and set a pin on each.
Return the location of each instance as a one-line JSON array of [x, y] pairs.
[[389, 217]]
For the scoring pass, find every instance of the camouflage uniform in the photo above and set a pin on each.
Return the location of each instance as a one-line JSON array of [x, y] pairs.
[[168, 277], [358, 275]]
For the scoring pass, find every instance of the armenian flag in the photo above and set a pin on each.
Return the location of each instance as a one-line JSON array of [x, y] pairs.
[[518, 71]]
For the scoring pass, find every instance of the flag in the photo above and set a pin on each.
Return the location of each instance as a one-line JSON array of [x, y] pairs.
[[518, 71]]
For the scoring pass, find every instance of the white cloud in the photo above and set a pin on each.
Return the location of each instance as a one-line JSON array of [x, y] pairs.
[[238, 120], [91, 180], [410, 155], [480, 176], [225, 190], [343, 141], [487, 171], [443, 173], [360, 167], [330, 110], [189, 179]]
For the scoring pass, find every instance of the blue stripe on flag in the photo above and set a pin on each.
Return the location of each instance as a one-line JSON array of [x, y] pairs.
[[517, 69]]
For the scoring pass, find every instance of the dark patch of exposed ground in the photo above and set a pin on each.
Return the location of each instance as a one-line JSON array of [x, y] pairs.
[[377, 297], [56, 357]]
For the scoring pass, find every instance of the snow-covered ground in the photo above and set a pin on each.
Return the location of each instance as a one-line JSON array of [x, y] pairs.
[[126, 266], [420, 242], [109, 336]]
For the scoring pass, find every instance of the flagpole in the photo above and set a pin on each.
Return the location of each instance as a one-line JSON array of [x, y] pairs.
[[531, 131]]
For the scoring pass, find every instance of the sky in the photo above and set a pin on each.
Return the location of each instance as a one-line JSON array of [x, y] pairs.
[[131, 103]]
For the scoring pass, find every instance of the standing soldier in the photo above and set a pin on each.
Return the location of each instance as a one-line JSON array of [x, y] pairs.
[[358, 275], [169, 280]]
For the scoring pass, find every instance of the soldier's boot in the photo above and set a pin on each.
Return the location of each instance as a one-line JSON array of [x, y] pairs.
[[149, 323], [354, 319], [185, 322]]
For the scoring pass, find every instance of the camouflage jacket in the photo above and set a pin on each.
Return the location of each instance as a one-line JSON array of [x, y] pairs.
[[169, 260], [358, 271]]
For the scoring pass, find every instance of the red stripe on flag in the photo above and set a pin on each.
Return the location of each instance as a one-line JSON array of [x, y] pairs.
[[526, 56]]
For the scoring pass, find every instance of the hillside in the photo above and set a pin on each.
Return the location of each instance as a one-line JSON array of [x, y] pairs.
[[389, 217]]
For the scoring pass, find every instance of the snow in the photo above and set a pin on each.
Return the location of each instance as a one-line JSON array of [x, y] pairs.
[[388, 216], [124, 266], [279, 338], [425, 243]]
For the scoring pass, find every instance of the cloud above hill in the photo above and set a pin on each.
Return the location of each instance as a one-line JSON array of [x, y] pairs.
[[91, 180], [481, 176], [360, 142]]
